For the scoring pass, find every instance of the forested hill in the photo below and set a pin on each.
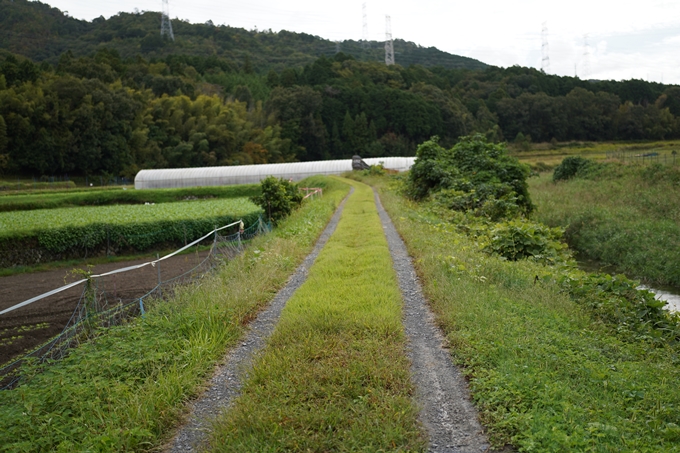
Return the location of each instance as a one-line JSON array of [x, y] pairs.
[[112, 105], [43, 33]]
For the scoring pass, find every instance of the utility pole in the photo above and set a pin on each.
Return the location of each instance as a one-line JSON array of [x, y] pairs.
[[364, 36], [389, 44], [166, 25], [545, 55]]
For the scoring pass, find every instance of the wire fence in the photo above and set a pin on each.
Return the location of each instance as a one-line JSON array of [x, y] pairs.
[[645, 157], [103, 300]]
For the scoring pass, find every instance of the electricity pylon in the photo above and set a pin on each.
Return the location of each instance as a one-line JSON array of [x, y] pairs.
[[389, 44], [166, 25], [545, 60]]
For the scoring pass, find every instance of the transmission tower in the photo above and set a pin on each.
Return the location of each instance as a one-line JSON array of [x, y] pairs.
[[364, 36], [337, 46], [585, 67], [166, 25], [389, 44], [545, 54]]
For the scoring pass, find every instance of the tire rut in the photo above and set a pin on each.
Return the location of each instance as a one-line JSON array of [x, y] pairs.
[[441, 390]]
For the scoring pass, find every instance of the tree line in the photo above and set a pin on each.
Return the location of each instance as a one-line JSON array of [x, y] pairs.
[[105, 114]]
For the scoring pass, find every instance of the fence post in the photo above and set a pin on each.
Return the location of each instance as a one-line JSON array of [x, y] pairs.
[[158, 265]]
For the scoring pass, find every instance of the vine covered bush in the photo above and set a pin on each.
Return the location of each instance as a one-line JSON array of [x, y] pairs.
[[475, 175], [570, 167]]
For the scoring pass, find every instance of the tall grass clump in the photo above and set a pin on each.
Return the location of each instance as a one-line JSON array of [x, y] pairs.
[[622, 215], [546, 371], [126, 390], [334, 375]]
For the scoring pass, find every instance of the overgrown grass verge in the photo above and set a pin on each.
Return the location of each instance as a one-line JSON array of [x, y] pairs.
[[625, 216], [545, 373], [334, 375], [127, 389]]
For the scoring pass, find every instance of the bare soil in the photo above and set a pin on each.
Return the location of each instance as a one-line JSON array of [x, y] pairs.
[[29, 326]]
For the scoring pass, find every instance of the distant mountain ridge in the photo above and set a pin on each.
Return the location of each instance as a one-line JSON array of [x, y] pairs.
[[42, 33]]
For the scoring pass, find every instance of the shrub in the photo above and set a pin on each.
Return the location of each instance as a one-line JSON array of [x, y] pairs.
[[519, 239], [571, 166], [475, 169], [278, 199]]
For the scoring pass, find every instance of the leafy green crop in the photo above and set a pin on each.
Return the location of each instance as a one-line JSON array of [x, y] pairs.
[[79, 231]]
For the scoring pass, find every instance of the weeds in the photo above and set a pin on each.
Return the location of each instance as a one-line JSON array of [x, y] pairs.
[[626, 216], [546, 373]]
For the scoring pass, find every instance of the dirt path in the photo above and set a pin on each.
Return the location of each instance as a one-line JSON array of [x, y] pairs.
[[226, 383], [446, 408], [447, 412]]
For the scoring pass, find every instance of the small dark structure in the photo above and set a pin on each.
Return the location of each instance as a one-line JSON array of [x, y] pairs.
[[359, 164]]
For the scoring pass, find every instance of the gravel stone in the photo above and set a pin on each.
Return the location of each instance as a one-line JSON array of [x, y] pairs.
[[441, 390], [225, 384]]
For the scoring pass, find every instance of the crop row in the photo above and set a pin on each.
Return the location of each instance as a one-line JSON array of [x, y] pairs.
[[109, 196], [31, 237]]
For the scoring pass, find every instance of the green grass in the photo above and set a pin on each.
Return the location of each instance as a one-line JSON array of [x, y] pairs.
[[334, 375], [627, 216], [544, 373], [127, 390], [109, 196]]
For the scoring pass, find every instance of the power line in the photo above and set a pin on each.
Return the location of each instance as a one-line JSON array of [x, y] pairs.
[[389, 44]]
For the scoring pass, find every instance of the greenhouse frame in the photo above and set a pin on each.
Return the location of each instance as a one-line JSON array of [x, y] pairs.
[[250, 174]]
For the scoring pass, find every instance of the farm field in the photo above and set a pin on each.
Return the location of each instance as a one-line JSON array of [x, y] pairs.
[[544, 156], [44, 235], [156, 363], [28, 327], [17, 223], [108, 196]]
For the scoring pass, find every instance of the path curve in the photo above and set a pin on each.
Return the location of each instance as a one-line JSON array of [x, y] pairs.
[[225, 384], [447, 412]]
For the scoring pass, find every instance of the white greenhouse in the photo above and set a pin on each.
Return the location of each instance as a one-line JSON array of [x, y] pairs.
[[250, 174]]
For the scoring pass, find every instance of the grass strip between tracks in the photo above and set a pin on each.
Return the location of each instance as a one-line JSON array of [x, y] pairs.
[[544, 374], [334, 375], [126, 390]]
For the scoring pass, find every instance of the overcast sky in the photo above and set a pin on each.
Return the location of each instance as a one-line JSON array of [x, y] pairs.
[[599, 39]]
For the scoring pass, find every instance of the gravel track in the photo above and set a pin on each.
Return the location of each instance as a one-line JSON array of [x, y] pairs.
[[441, 390], [225, 384]]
